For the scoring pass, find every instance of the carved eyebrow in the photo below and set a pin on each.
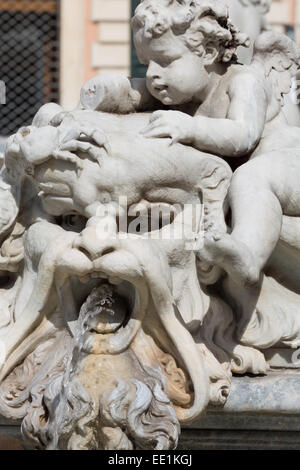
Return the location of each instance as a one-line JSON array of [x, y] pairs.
[[169, 59], [162, 55]]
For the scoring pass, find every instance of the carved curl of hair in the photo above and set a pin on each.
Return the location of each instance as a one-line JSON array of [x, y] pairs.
[[199, 22]]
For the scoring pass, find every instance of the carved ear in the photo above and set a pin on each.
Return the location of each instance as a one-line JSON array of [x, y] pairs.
[[211, 53]]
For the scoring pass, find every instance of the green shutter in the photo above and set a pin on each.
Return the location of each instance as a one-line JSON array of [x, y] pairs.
[[137, 69]]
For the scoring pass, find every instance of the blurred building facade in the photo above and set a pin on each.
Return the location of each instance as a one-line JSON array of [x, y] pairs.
[[49, 48], [108, 43], [285, 17]]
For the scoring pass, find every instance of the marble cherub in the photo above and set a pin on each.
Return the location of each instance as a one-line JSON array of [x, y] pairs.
[[209, 101]]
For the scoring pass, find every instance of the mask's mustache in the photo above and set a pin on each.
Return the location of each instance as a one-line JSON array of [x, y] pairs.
[[149, 273], [57, 257]]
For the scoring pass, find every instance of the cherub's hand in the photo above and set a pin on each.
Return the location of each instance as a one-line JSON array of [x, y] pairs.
[[179, 126]]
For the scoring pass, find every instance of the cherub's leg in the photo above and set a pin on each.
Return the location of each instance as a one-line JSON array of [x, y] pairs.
[[256, 226]]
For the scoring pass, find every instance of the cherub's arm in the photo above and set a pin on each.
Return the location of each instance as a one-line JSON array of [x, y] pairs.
[[117, 94], [241, 131], [236, 135]]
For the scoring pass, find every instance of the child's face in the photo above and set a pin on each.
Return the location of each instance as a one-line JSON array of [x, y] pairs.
[[175, 75]]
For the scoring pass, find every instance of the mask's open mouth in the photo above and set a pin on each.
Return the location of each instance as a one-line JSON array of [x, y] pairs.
[[108, 307], [102, 316]]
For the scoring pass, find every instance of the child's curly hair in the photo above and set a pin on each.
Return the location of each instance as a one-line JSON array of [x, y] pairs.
[[199, 22]]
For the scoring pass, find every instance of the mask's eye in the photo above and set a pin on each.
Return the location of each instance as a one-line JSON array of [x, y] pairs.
[[145, 218], [7, 279], [73, 222]]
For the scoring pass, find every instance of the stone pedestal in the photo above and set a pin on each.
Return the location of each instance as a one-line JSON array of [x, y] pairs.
[[262, 413]]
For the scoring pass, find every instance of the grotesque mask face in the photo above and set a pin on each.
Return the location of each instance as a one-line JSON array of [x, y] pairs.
[[105, 316]]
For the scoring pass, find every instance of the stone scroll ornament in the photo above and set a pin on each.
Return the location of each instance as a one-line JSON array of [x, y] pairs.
[[115, 332]]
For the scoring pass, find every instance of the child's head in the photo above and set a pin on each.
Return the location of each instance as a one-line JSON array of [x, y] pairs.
[[178, 40]]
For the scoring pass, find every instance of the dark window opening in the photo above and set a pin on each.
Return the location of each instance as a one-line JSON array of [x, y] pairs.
[[290, 31], [29, 59]]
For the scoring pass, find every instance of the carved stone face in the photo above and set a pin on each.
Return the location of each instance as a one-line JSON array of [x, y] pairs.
[[175, 74], [104, 313], [100, 203]]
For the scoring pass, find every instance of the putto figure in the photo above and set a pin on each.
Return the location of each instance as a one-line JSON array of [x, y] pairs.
[[235, 111], [232, 110]]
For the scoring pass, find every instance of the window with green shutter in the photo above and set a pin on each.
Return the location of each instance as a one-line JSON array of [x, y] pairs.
[[137, 69]]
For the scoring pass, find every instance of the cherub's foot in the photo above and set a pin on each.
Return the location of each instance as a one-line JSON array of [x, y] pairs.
[[234, 257]]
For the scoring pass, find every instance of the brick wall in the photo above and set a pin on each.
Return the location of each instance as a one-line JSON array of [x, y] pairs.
[[111, 52], [111, 48]]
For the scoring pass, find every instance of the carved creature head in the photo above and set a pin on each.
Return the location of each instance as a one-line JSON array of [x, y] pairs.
[[108, 337]]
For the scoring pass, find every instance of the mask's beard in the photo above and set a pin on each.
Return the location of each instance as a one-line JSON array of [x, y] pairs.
[[134, 415], [149, 419], [76, 400], [131, 414]]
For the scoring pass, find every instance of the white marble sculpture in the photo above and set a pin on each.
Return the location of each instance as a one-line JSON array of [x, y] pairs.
[[137, 271], [250, 16]]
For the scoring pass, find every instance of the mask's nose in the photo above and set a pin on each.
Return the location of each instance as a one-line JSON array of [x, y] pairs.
[[98, 238]]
